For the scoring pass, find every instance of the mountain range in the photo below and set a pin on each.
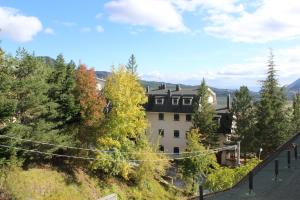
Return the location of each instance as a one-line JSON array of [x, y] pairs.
[[294, 87], [291, 89]]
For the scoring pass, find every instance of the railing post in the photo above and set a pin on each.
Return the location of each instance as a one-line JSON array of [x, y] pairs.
[[276, 169], [250, 182], [289, 158], [296, 151], [201, 193]]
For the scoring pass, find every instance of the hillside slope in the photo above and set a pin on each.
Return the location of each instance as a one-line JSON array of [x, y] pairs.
[[48, 183]]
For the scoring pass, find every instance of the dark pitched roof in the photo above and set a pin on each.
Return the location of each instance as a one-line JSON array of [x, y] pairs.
[[151, 106], [265, 188], [182, 92]]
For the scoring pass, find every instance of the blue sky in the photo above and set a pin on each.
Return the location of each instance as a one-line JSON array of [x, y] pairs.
[[225, 41]]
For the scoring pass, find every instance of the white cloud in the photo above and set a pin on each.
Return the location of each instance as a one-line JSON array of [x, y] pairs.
[[17, 26], [99, 15], [161, 15], [85, 29], [49, 31], [270, 20], [99, 29], [227, 6], [66, 23], [250, 72]]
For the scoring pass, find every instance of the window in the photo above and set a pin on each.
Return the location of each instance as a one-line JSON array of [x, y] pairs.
[[188, 117], [175, 101], [161, 132], [161, 148], [160, 116], [176, 134], [176, 150], [187, 101], [159, 100], [176, 117]]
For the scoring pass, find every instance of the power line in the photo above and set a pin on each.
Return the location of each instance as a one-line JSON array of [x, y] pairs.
[[95, 159], [55, 145], [46, 153], [110, 151]]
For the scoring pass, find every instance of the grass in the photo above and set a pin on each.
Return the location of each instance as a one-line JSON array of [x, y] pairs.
[[46, 183]]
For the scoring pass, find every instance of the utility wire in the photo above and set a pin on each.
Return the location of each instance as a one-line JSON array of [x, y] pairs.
[[95, 159], [110, 151]]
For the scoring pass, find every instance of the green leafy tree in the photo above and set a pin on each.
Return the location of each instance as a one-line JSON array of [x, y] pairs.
[[244, 114], [272, 112], [200, 164], [132, 66], [203, 117], [296, 113], [123, 129]]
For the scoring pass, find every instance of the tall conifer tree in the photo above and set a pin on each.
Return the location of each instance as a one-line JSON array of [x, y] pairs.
[[62, 92], [272, 118], [31, 117], [203, 117], [296, 113], [132, 66], [243, 112]]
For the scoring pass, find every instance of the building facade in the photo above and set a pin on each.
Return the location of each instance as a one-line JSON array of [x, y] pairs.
[[169, 113]]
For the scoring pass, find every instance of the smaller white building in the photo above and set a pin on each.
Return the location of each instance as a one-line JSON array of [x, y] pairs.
[[100, 83]]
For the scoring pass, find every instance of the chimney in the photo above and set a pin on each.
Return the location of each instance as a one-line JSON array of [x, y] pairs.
[[228, 102], [163, 86], [178, 88], [147, 88], [169, 93]]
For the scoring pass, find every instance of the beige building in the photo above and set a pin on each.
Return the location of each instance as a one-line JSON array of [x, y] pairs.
[[169, 113], [100, 83]]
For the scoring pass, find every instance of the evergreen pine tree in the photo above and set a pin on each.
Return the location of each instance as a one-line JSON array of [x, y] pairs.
[[203, 117], [62, 92], [296, 113], [132, 66], [7, 100], [272, 112], [31, 117], [243, 111]]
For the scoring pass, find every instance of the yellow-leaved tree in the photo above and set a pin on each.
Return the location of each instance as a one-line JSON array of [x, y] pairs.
[[123, 140]]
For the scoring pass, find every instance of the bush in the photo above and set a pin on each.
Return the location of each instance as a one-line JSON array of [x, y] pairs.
[[225, 177]]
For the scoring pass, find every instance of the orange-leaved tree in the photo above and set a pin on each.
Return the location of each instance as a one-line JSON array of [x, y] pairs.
[[91, 103]]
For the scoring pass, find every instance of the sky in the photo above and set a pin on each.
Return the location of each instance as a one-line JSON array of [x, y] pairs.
[[227, 42]]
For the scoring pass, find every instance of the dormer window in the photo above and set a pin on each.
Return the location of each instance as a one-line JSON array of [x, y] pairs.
[[175, 100], [187, 100], [159, 100]]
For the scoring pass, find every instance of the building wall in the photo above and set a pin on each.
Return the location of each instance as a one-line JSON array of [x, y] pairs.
[[169, 125], [100, 83]]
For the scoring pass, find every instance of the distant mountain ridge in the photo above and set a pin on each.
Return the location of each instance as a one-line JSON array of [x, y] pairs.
[[295, 86], [292, 88], [155, 84]]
